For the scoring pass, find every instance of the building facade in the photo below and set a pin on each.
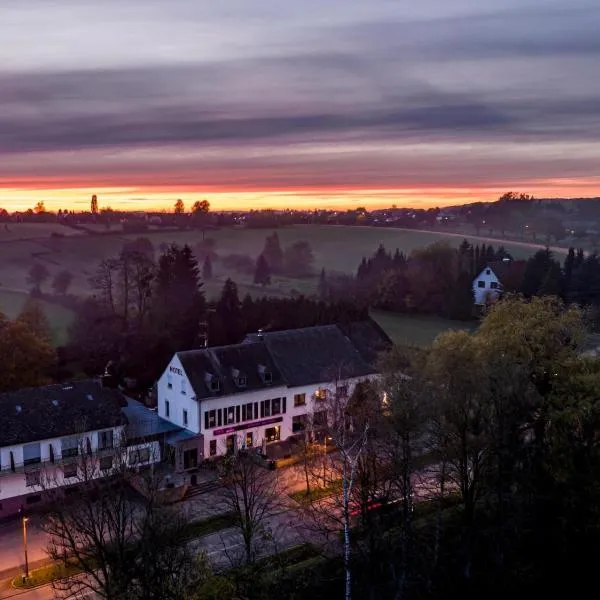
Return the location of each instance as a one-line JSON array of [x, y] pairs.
[[265, 390], [49, 434]]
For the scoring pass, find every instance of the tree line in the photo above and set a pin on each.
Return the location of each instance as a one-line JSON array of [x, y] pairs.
[[144, 310]]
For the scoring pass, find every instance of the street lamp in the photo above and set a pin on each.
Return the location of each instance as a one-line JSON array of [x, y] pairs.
[[25, 520]]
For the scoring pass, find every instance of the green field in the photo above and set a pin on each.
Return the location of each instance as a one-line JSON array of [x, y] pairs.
[[336, 249], [60, 318], [415, 330]]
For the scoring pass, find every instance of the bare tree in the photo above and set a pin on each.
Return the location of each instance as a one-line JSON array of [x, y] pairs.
[[105, 282], [124, 547], [251, 495]]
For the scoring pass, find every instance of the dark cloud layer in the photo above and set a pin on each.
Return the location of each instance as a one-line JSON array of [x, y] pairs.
[[523, 75]]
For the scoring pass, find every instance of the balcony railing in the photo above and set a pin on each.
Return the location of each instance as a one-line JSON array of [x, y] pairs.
[[32, 464]]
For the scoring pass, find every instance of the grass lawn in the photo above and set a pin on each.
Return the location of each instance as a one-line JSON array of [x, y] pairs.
[[45, 575], [416, 330], [60, 318]]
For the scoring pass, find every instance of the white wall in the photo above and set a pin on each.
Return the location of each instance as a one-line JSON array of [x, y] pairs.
[[13, 484], [178, 401], [488, 277], [309, 408]]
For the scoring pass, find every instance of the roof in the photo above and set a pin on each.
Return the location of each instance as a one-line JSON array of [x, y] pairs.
[[144, 422], [180, 436], [52, 411], [315, 355], [510, 274], [228, 363], [292, 357], [368, 338]]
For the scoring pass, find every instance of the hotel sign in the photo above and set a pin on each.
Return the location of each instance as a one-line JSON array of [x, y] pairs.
[[242, 426]]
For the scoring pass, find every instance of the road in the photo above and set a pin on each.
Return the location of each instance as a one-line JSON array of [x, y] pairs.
[[11, 543]]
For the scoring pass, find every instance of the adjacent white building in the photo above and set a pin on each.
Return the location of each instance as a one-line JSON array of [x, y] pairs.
[[48, 434], [263, 391]]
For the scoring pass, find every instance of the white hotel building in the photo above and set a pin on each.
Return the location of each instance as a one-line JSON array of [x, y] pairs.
[[264, 390]]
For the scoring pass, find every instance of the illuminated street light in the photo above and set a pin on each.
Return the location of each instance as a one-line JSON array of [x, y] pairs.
[[25, 520]]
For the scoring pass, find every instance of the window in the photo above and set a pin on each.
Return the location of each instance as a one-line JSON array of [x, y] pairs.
[[299, 399], [249, 440], [106, 463], [276, 406], [265, 408], [247, 410], [487, 271], [494, 285], [341, 391], [299, 423], [481, 284], [32, 454], [105, 439], [183, 386], [321, 394], [230, 415], [69, 471], [139, 455], [32, 478], [212, 447], [210, 419], [70, 447], [265, 374], [170, 381], [185, 417], [167, 409], [273, 434]]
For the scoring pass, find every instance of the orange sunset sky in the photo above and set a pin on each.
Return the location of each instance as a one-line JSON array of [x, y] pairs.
[[297, 105]]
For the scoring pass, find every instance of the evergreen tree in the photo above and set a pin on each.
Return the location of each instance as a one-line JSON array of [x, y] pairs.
[[207, 269], [179, 306], [568, 271], [262, 273], [535, 272], [323, 287], [273, 253], [490, 255], [229, 310], [552, 284], [462, 301]]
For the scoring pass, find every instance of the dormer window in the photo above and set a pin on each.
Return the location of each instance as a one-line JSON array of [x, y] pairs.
[[239, 378], [265, 374], [212, 382]]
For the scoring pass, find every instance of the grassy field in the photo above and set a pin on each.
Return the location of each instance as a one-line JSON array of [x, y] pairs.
[[413, 330], [336, 249], [60, 318]]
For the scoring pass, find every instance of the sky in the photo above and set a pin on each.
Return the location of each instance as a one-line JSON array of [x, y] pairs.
[[319, 103]]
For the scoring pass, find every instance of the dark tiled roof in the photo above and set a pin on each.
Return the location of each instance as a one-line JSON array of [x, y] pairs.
[[510, 274], [197, 364], [293, 357], [368, 338], [57, 410], [245, 358], [223, 362], [314, 355]]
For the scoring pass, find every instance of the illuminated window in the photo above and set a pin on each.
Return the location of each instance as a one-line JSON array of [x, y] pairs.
[[273, 434], [321, 394], [299, 399]]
